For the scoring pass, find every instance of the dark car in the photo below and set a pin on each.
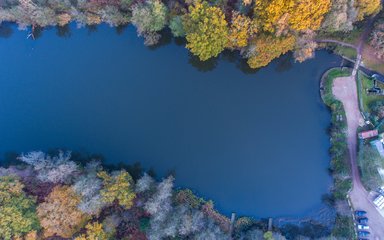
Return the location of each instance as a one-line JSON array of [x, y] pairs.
[[363, 220], [363, 233], [360, 213]]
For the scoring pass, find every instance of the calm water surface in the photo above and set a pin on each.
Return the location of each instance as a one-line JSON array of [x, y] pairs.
[[255, 143]]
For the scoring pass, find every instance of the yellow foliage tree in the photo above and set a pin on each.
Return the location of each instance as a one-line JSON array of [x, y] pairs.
[[117, 188], [95, 231], [367, 7], [241, 29], [17, 210], [269, 48], [206, 30], [276, 15], [268, 13], [308, 14], [59, 214]]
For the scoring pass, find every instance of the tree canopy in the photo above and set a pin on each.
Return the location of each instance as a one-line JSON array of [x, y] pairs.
[[206, 30], [17, 210]]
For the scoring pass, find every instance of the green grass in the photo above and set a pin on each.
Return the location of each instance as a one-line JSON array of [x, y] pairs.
[[368, 99], [346, 52], [328, 97], [345, 227]]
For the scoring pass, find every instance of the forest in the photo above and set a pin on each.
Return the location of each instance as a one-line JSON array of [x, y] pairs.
[[260, 30], [57, 196]]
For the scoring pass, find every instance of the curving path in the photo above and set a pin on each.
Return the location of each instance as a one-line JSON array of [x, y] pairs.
[[345, 90]]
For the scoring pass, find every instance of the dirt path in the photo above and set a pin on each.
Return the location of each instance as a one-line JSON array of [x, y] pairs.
[[345, 90]]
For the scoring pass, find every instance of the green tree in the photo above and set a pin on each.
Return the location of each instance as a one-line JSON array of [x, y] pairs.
[[17, 210], [117, 187], [149, 17], [206, 30], [176, 26]]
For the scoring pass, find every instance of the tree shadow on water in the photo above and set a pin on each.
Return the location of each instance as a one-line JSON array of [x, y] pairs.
[[120, 29], [6, 30], [165, 39], [91, 28], [284, 63], [37, 32], [202, 66], [63, 31]]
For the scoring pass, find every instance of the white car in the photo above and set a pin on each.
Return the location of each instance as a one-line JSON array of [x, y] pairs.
[[362, 227]]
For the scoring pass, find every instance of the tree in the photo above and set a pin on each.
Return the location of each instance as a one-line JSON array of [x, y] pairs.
[[308, 14], [268, 13], [268, 48], [377, 39], [305, 46], [17, 210], [88, 187], [340, 17], [59, 214], [206, 30], [53, 169], [149, 17], [241, 29], [95, 231], [117, 187], [298, 15], [176, 26], [367, 7]]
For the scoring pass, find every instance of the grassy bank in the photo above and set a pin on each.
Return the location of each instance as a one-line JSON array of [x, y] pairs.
[[339, 166]]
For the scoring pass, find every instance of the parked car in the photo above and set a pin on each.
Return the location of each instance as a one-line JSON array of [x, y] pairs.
[[360, 213], [362, 220], [362, 227], [363, 233]]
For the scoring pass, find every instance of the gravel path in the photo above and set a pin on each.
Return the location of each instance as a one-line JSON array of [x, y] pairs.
[[345, 90]]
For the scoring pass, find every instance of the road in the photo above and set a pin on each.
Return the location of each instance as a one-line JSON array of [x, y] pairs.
[[345, 90]]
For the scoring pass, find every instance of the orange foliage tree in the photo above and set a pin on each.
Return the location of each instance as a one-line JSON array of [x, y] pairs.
[[269, 48], [59, 214], [241, 28]]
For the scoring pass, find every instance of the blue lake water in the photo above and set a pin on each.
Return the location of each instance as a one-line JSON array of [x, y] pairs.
[[254, 142]]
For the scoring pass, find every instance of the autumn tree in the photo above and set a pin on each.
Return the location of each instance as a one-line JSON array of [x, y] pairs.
[[206, 30], [117, 187], [17, 210], [149, 18], [240, 30], [265, 48], [340, 17], [367, 7], [272, 15], [88, 187], [95, 231], [305, 46], [279, 15], [53, 169], [59, 214], [377, 39], [308, 14]]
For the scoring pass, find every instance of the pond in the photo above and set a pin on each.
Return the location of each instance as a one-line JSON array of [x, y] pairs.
[[255, 142]]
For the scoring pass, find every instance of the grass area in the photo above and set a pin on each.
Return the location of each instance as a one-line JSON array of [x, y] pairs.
[[351, 37], [345, 227], [346, 52], [366, 83]]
